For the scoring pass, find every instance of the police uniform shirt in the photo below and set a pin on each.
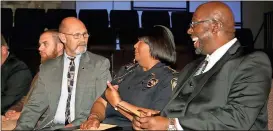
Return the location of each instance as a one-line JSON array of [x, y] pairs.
[[148, 89]]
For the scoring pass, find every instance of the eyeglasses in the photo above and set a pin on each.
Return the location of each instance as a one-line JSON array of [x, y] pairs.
[[78, 35], [199, 22]]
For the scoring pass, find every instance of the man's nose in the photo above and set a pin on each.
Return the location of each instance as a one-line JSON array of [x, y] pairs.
[[41, 47], [136, 44], [189, 31]]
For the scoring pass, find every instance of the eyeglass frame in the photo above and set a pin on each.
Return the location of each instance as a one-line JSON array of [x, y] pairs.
[[202, 21], [77, 35]]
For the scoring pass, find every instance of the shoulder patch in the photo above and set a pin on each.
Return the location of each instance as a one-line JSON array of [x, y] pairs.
[[174, 82], [175, 77]]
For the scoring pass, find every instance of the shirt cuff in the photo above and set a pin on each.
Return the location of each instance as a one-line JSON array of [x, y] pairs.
[[177, 124]]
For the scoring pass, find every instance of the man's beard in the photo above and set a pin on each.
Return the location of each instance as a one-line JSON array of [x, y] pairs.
[[43, 59], [78, 51], [53, 55], [200, 49]]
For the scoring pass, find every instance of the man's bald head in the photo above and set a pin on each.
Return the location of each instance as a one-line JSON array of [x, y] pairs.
[[74, 35], [212, 26], [220, 12], [66, 23]]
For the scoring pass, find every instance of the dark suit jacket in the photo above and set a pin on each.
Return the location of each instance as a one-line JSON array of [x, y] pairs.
[[15, 82], [231, 95], [20, 104], [91, 82]]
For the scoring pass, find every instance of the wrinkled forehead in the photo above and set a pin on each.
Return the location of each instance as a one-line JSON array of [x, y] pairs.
[[75, 28]]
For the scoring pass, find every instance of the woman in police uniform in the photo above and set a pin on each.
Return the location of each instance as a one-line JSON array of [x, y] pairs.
[[144, 85]]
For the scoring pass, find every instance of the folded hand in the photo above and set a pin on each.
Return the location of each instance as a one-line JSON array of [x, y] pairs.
[[91, 123], [148, 121], [12, 115], [112, 94]]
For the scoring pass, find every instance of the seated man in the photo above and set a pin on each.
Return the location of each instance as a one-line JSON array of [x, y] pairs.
[[50, 47], [15, 78], [226, 90], [68, 85]]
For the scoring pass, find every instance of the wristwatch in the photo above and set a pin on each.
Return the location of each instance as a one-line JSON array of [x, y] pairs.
[[171, 126]]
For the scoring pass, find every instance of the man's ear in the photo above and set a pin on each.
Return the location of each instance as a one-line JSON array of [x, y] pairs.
[[62, 37], [4, 50], [216, 27], [60, 47]]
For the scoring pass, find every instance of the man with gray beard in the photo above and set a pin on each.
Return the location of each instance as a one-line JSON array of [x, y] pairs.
[[67, 85]]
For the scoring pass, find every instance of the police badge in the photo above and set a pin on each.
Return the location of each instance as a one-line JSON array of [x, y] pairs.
[[152, 82]]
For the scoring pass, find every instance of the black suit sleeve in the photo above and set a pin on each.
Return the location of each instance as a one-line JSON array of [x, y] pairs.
[[17, 86], [248, 92]]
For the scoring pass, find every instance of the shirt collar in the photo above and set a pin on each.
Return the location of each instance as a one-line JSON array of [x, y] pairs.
[[77, 56], [222, 50]]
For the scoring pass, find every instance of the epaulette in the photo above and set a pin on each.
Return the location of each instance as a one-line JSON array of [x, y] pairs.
[[128, 69], [172, 70], [130, 66]]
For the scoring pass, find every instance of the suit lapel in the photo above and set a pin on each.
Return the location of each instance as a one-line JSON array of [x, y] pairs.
[[202, 81], [183, 77], [85, 67], [56, 82]]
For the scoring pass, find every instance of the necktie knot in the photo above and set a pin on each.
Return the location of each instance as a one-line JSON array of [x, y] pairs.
[[72, 63], [202, 67], [71, 58]]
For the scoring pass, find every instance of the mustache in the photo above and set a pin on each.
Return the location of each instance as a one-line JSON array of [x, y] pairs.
[[82, 43], [42, 52]]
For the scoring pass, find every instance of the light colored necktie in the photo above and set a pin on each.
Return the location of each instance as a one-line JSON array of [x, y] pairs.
[[202, 67]]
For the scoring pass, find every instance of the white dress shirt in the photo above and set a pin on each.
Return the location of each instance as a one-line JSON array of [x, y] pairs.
[[60, 113], [212, 59]]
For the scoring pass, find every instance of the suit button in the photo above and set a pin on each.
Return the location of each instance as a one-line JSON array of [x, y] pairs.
[[191, 84], [180, 96]]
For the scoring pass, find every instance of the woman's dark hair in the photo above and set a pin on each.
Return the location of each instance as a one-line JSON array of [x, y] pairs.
[[161, 42]]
